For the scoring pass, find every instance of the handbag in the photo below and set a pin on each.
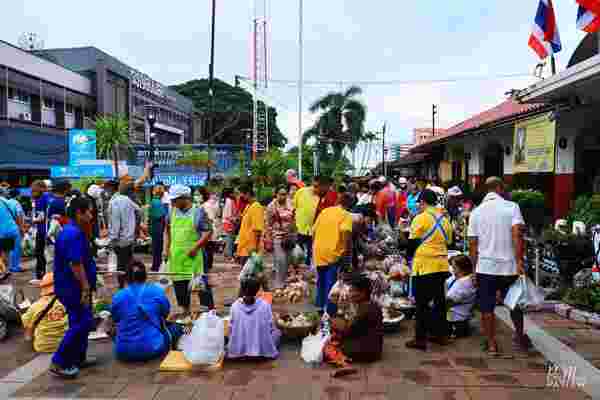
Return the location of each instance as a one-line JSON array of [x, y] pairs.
[[287, 243]]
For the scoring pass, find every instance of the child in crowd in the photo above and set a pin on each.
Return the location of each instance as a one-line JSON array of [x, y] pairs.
[[460, 296], [252, 329]]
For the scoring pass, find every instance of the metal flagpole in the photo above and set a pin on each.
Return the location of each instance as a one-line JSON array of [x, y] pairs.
[[300, 83]]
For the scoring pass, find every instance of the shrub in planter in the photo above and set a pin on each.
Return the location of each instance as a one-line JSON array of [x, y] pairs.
[[532, 204], [585, 210]]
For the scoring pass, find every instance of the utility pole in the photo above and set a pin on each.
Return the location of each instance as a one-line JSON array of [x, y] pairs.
[[433, 114], [211, 89], [300, 83], [383, 151]]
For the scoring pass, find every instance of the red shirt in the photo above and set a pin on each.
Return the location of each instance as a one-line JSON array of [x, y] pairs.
[[329, 200]]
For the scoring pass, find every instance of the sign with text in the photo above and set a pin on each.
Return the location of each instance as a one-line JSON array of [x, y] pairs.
[[80, 171], [534, 145], [82, 146]]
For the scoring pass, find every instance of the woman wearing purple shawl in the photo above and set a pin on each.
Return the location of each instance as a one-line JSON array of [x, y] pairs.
[[252, 330]]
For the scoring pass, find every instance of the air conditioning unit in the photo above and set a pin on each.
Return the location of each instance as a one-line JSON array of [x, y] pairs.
[[27, 116]]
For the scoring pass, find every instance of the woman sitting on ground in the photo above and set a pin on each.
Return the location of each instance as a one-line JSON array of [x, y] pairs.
[[252, 329], [46, 321], [357, 337], [140, 311], [460, 297]]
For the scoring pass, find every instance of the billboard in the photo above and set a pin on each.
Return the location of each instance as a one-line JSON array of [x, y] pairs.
[[226, 158], [534, 145], [82, 146]]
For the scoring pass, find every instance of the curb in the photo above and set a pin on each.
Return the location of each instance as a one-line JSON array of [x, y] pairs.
[[559, 354], [575, 314]]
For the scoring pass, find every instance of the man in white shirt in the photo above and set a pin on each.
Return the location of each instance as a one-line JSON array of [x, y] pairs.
[[496, 248]]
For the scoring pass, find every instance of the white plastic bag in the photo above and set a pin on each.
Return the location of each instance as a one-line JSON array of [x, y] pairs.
[[297, 257], [112, 262], [206, 343], [312, 348], [523, 294]]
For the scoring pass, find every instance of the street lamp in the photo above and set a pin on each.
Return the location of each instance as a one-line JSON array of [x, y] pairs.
[[151, 122]]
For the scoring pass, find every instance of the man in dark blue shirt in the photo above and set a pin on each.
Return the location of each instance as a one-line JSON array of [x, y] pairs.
[[40, 206], [74, 281]]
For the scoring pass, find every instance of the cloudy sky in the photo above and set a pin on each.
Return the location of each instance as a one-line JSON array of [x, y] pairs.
[[345, 40]]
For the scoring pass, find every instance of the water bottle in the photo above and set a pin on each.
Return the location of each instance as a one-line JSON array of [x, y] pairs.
[[596, 273]]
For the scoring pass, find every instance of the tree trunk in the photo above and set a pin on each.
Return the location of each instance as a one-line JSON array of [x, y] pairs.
[[116, 161]]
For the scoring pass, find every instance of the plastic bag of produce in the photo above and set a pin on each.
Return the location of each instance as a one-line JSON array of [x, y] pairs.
[[312, 348], [297, 257], [523, 294], [206, 343], [253, 267]]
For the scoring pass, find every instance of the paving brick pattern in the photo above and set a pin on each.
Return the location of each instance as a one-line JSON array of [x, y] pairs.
[[456, 372]]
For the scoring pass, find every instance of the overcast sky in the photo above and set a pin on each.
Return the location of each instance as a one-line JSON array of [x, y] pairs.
[[345, 40]]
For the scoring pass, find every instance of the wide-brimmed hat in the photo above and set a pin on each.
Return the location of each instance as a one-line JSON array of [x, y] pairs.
[[47, 284]]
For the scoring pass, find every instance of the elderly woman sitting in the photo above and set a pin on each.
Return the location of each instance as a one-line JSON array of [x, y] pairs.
[[252, 330], [46, 321], [357, 329]]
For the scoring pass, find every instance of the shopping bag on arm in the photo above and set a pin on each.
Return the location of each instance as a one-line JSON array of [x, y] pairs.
[[523, 294]]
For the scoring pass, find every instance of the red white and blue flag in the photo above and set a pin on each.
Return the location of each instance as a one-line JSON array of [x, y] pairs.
[[588, 15], [544, 39]]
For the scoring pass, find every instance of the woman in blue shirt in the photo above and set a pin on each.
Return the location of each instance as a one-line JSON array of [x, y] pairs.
[[140, 311], [9, 231]]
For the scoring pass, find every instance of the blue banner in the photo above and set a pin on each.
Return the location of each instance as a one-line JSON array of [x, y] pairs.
[[82, 146], [95, 171], [188, 180]]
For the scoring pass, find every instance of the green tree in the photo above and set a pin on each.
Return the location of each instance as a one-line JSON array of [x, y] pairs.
[[337, 108], [233, 111], [112, 132]]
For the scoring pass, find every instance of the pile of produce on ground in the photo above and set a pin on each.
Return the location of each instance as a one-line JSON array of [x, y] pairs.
[[298, 320]]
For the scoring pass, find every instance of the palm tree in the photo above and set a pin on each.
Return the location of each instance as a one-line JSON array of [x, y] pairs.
[[341, 121], [112, 131]]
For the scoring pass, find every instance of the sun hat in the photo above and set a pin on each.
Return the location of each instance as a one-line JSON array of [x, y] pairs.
[[455, 191], [47, 284], [177, 191]]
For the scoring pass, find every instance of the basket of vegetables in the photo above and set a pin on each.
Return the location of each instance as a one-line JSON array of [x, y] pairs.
[[293, 293], [297, 325]]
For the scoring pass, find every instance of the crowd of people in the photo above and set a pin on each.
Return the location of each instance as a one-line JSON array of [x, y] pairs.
[[329, 222]]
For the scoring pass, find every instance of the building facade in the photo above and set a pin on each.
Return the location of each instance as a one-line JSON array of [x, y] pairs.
[[39, 102], [121, 89]]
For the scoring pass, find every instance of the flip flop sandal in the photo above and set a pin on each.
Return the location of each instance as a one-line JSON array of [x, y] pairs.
[[343, 372]]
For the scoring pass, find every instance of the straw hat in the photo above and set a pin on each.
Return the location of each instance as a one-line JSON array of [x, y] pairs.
[[47, 284]]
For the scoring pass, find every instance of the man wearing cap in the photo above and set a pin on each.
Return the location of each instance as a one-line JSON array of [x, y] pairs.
[[46, 321], [187, 233], [124, 214]]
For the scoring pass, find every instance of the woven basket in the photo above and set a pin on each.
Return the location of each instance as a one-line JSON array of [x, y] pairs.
[[297, 332]]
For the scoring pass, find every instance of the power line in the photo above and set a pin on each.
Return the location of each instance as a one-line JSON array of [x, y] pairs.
[[400, 82]]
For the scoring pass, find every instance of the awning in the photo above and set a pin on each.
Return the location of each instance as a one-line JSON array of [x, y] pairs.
[[411, 159], [30, 148], [580, 82]]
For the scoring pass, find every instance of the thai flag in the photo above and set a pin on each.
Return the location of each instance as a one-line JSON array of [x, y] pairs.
[[588, 15], [545, 39]]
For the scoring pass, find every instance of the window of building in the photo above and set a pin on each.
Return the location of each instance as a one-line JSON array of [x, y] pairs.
[[48, 103], [18, 95], [11, 93], [69, 108]]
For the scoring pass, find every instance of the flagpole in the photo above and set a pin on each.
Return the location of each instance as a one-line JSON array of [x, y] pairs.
[[553, 64]]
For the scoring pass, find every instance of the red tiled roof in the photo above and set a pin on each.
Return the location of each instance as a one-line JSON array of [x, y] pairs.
[[507, 109]]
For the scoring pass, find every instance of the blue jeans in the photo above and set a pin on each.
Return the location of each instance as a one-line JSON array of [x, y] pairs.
[[15, 255], [327, 276], [72, 351], [306, 242], [158, 230]]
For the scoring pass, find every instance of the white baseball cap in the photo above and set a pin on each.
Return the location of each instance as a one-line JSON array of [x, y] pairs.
[[455, 191], [402, 181], [382, 179], [95, 191], [177, 191]]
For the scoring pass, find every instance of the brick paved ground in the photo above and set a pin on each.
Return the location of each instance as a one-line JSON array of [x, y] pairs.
[[457, 372]]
